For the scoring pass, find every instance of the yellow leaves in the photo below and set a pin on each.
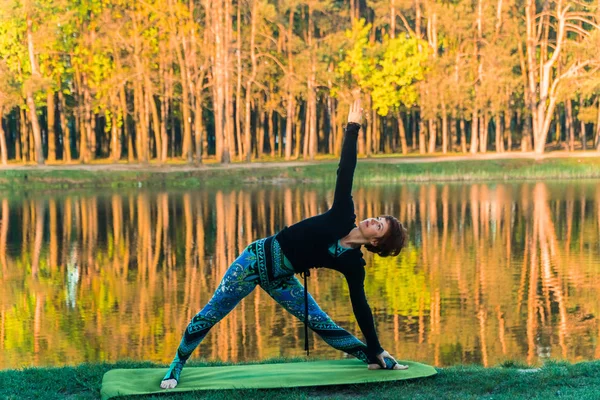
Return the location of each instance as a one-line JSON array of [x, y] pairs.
[[405, 285]]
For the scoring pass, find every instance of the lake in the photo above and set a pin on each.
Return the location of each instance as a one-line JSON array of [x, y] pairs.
[[493, 272]]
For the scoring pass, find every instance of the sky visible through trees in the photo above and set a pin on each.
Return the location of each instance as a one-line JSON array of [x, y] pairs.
[[242, 80]]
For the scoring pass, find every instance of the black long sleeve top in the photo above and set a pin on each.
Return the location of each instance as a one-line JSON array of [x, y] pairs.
[[306, 243]]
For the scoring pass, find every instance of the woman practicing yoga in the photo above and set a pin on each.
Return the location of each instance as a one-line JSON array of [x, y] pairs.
[[330, 240]]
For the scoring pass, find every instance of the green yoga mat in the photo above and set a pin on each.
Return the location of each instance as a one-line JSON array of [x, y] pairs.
[[121, 382]]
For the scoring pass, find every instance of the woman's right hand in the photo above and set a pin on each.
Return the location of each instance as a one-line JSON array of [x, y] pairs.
[[381, 362], [356, 112]]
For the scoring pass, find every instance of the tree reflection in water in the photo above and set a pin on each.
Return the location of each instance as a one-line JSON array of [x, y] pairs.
[[493, 272]]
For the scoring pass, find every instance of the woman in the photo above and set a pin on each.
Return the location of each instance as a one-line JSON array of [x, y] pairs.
[[330, 240]]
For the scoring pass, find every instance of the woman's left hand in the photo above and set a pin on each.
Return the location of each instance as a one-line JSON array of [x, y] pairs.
[[356, 112], [381, 365]]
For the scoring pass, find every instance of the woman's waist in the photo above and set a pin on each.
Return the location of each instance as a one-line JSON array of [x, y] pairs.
[[271, 258]]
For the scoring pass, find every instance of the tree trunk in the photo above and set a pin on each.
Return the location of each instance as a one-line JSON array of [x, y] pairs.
[[164, 114], [260, 148], [453, 132], [598, 126], [156, 126], [376, 131], [542, 89], [64, 127], [432, 123], [463, 135], [331, 137], [137, 124], [50, 109], [142, 125], [253, 59], [369, 131], [3, 149], [312, 143], [508, 129], [422, 144], [18, 138], [31, 142], [499, 134], [289, 124], [526, 138], [83, 136], [444, 129], [402, 134], [92, 131], [312, 95], [186, 150], [483, 132], [248, 123], [474, 132], [271, 133], [90, 148], [229, 145], [279, 129], [220, 82], [338, 132], [306, 131], [35, 124], [570, 124], [126, 128], [290, 97], [238, 92], [26, 154], [131, 156], [582, 132], [361, 141], [198, 127], [115, 148], [298, 130], [413, 129]]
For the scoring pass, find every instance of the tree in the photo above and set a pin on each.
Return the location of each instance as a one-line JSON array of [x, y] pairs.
[[388, 71], [549, 33]]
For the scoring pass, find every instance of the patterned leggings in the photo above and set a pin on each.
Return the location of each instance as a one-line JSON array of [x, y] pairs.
[[247, 271]]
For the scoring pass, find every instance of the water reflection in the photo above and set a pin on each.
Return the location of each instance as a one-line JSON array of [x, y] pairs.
[[493, 272]]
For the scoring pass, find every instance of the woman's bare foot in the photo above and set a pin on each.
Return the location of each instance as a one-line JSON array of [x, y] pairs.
[[168, 383], [171, 378]]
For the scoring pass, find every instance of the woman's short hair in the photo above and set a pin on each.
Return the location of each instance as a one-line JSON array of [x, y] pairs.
[[393, 241]]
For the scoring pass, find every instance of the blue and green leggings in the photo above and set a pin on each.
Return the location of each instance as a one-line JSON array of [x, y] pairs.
[[247, 271]]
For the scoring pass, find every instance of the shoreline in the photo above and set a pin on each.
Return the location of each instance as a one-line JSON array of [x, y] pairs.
[[211, 164], [484, 167]]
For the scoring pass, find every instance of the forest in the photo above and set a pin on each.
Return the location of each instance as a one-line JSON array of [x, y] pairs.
[[241, 80]]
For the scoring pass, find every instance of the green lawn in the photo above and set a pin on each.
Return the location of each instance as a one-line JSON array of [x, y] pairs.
[[553, 380], [372, 171]]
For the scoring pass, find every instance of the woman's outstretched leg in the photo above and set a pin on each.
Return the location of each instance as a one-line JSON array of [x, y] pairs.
[[239, 281], [290, 294]]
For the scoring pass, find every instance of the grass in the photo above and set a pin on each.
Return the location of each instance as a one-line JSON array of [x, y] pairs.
[[372, 171], [508, 381]]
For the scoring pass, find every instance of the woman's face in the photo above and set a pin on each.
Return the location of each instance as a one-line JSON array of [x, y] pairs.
[[373, 228]]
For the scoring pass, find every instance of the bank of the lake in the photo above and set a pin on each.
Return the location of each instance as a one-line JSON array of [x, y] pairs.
[[509, 381], [504, 167]]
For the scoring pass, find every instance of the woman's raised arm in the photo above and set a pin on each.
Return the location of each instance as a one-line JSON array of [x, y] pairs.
[[345, 172]]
